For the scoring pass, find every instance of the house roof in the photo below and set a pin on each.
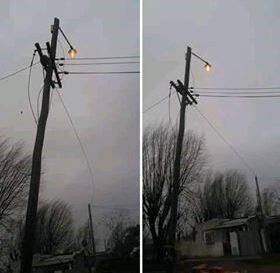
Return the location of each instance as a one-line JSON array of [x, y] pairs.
[[232, 223], [47, 260], [227, 223]]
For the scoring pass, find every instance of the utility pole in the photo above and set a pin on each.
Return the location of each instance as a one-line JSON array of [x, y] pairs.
[[30, 223], [178, 151], [186, 98], [260, 208], [91, 230], [263, 233]]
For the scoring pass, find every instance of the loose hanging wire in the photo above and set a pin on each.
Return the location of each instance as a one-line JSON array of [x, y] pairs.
[[169, 95], [38, 101], [28, 88], [79, 140]]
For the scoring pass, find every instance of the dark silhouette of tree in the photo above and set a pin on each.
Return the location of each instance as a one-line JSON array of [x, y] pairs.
[[224, 195], [83, 239], [15, 167], [124, 239], [271, 200], [54, 230], [158, 159], [131, 239], [123, 236]]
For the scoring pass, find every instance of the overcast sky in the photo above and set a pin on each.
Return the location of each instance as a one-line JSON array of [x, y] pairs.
[[105, 109], [241, 41]]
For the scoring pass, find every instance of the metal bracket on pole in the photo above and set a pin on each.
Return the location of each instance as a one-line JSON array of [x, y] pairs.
[[187, 91]]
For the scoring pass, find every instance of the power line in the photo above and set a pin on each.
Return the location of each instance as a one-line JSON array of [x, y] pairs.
[[237, 88], [101, 73], [99, 63], [130, 207], [63, 52], [240, 96], [78, 137], [101, 58], [239, 93], [18, 71], [155, 104], [225, 141], [214, 96], [213, 127]]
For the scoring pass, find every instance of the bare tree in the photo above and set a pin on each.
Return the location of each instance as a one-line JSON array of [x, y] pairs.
[[14, 180], [224, 195], [54, 231], [83, 239], [122, 235], [271, 199], [10, 247], [158, 159]]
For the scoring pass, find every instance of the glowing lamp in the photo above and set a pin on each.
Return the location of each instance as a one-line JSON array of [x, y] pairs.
[[72, 52], [207, 67]]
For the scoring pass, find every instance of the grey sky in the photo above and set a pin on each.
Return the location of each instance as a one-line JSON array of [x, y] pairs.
[[105, 109], [240, 39]]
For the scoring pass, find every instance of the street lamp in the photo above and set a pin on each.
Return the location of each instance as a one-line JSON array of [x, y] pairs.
[[207, 66], [72, 51]]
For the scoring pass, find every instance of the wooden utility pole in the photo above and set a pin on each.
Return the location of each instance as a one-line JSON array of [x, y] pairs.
[[179, 144], [91, 230], [259, 200], [263, 233], [30, 223], [186, 99]]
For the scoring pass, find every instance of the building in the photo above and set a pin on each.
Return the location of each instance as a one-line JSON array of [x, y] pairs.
[[227, 237], [273, 232], [59, 263]]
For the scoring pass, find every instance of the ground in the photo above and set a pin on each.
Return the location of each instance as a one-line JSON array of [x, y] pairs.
[[242, 265], [115, 265]]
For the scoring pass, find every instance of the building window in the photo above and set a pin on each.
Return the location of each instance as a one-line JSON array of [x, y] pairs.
[[209, 237]]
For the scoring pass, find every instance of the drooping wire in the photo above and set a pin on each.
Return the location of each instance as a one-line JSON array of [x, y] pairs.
[[225, 140], [178, 97], [38, 101], [78, 138], [28, 88], [169, 95], [39, 94], [218, 132]]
